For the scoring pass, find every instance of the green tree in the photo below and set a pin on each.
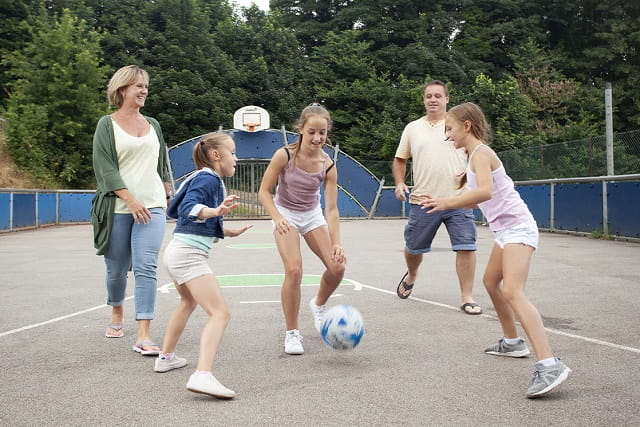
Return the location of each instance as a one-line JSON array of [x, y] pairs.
[[564, 109], [13, 36], [509, 112], [55, 100]]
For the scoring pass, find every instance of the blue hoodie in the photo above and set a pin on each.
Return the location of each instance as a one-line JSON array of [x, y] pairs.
[[203, 188]]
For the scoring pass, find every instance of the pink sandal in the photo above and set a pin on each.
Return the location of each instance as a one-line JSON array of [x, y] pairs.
[[146, 348], [119, 332]]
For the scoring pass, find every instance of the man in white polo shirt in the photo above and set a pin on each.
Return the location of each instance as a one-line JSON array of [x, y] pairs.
[[437, 168]]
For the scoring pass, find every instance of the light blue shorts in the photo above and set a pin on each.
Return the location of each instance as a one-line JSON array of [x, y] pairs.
[[303, 221], [525, 233]]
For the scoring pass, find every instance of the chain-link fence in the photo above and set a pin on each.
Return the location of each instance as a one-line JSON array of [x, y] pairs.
[[572, 159]]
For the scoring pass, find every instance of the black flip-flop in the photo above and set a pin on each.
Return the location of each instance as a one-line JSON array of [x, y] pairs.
[[406, 287], [470, 305]]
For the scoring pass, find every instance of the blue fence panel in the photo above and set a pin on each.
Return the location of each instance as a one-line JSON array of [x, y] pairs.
[[24, 210], [348, 207], [623, 205], [46, 208], [261, 144], [181, 157], [388, 205], [249, 145], [538, 199], [75, 207], [357, 180], [5, 199], [578, 207]]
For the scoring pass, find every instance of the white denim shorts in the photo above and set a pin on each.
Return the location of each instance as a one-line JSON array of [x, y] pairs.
[[303, 221], [184, 262], [525, 233]]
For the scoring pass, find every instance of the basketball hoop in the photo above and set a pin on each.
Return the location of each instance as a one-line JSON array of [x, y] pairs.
[[251, 119]]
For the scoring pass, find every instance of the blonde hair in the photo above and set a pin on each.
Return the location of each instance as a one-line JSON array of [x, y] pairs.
[[480, 128], [472, 113], [124, 77], [210, 141], [314, 109]]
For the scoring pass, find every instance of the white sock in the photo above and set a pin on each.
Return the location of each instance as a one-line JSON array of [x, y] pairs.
[[548, 362], [512, 341]]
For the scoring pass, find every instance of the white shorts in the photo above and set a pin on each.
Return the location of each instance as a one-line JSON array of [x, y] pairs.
[[185, 262], [303, 221], [525, 233]]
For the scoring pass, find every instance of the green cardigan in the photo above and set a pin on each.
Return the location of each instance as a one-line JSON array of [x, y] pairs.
[[108, 179]]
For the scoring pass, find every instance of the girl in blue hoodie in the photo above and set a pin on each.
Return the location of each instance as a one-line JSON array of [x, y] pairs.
[[199, 206]]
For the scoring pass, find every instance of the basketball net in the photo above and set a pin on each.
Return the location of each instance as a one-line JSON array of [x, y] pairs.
[[251, 127]]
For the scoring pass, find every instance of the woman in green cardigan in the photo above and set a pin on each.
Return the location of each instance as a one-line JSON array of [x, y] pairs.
[[128, 210]]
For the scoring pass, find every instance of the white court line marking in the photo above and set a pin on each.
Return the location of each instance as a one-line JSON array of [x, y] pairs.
[[489, 316], [57, 319], [357, 286]]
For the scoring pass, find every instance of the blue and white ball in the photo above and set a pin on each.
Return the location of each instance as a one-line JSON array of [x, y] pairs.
[[342, 327]]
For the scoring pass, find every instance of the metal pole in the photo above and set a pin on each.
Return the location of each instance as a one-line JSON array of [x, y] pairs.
[[372, 212], [608, 107], [552, 206], [605, 209]]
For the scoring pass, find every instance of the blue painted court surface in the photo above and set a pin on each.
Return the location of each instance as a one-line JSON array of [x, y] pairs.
[[420, 362]]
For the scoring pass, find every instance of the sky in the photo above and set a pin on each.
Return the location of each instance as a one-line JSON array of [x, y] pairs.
[[262, 4]]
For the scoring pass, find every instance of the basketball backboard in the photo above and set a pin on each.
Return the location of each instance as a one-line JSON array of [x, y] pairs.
[[251, 119]]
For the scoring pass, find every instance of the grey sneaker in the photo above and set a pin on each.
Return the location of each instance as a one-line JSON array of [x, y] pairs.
[[318, 312], [512, 350], [546, 379], [293, 342], [164, 365]]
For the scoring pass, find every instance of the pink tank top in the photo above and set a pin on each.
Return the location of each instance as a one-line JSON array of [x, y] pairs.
[[297, 189], [505, 208]]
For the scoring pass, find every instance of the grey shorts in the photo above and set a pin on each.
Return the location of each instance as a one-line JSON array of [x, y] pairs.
[[184, 262], [422, 227]]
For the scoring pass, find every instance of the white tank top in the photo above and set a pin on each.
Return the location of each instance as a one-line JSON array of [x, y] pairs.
[[505, 208]]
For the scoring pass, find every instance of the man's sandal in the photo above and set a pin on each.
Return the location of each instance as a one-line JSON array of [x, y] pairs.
[[407, 288], [468, 308], [114, 331]]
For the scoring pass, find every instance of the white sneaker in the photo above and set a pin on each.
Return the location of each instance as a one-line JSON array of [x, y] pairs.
[[293, 342], [208, 384], [164, 365], [318, 312]]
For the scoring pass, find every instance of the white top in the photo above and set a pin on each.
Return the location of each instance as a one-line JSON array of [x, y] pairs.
[[437, 165], [138, 163], [506, 208]]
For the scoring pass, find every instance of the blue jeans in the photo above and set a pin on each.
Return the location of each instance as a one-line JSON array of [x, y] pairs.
[[135, 247]]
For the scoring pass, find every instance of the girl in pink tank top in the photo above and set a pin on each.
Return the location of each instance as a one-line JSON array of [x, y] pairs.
[[516, 236], [299, 170]]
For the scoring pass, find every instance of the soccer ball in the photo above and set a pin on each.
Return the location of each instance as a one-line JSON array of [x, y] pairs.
[[342, 327]]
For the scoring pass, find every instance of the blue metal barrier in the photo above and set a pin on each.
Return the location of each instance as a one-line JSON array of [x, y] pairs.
[[610, 204]]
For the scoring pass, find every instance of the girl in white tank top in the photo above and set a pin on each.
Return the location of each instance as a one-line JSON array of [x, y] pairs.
[[516, 238]]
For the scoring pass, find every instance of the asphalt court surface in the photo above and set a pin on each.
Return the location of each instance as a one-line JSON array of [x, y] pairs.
[[420, 362]]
